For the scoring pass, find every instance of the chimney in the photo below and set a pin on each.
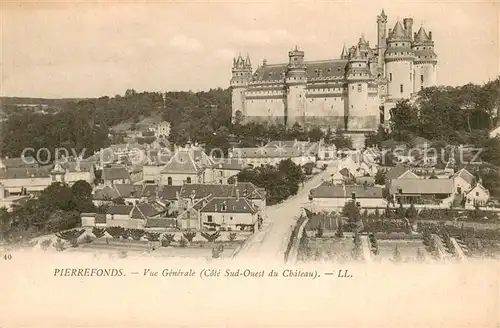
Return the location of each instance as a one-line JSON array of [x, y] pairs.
[[408, 24]]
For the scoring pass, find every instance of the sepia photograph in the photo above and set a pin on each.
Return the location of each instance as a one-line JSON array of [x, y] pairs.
[[250, 164]]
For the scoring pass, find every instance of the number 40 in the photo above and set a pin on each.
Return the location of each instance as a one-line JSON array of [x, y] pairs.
[[7, 257]]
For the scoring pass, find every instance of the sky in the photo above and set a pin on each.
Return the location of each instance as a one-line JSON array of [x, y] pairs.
[[58, 50]]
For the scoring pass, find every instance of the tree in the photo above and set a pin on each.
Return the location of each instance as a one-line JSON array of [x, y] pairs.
[[374, 244], [411, 213], [340, 230], [396, 255], [357, 250], [352, 212], [98, 232], [82, 192], [189, 235], [210, 237], [57, 196], [380, 177]]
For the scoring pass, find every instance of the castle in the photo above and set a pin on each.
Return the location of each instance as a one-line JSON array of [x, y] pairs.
[[353, 93]]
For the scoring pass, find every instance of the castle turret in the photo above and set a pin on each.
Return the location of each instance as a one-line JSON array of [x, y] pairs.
[[361, 110], [424, 69], [381, 37], [242, 72], [344, 54], [399, 59], [296, 80]]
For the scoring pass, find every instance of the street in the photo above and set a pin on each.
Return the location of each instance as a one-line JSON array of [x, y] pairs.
[[270, 243]]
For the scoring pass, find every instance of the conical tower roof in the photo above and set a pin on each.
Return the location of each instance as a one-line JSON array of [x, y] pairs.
[[422, 35], [398, 31], [344, 53], [357, 53], [247, 61]]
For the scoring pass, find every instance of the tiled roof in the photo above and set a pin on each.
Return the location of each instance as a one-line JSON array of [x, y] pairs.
[[267, 152], [161, 223], [422, 35], [115, 173], [106, 193], [129, 190], [26, 161], [422, 186], [332, 191], [163, 192], [396, 172], [120, 209], [466, 175], [245, 189], [229, 164], [187, 161], [232, 205], [146, 210], [24, 173]]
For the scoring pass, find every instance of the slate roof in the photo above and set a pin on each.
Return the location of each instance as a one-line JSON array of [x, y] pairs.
[[422, 186], [233, 205], [106, 193], [333, 191], [24, 173], [267, 152], [145, 210], [120, 209], [129, 190], [229, 164], [245, 189], [396, 172], [187, 161], [466, 175], [115, 173], [275, 72]]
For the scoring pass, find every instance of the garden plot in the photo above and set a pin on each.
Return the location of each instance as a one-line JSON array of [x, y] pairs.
[[408, 249]]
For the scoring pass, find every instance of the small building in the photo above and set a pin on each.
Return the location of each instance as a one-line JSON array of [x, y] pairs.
[[328, 196], [477, 196], [25, 180], [421, 191], [463, 180], [228, 213], [225, 168], [115, 175], [187, 165]]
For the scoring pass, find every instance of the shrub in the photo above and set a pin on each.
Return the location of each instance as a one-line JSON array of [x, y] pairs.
[[59, 245], [98, 232], [183, 242], [165, 242], [115, 232], [70, 235], [126, 233], [45, 244], [74, 242], [217, 251], [374, 244], [169, 236], [189, 235], [320, 232], [88, 239], [137, 234], [340, 231], [211, 237], [153, 236], [396, 255], [232, 236]]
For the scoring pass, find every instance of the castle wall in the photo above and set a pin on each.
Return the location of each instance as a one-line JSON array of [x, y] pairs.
[[296, 104], [427, 72], [238, 100], [325, 108], [398, 74]]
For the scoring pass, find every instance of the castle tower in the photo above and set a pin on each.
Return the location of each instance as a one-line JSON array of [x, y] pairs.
[[296, 80], [424, 69], [242, 72], [399, 59], [381, 37], [360, 112]]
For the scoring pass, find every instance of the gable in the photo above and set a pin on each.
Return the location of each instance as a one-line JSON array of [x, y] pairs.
[[408, 175]]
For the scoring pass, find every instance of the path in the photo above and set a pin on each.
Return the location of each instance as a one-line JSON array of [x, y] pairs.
[[366, 249], [271, 242]]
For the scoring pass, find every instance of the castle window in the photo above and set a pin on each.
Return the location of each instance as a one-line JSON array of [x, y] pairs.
[[390, 77], [360, 88], [401, 88], [421, 79]]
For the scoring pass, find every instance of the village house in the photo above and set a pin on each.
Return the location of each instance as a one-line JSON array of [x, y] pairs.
[[27, 180], [225, 168], [90, 220], [167, 196], [7, 201], [342, 176], [326, 152], [161, 129], [463, 180], [115, 175], [422, 191], [132, 216], [187, 165], [228, 213], [477, 196], [329, 197], [399, 172]]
